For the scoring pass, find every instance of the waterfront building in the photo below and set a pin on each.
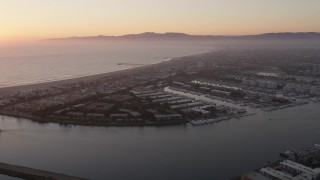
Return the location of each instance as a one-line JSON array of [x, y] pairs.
[[119, 116], [95, 115], [161, 117], [297, 169], [99, 106], [315, 91], [220, 93], [289, 87], [253, 176], [260, 83], [275, 174], [75, 114]]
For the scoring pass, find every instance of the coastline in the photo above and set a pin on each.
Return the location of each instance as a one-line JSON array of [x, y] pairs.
[[7, 91], [10, 91], [84, 123]]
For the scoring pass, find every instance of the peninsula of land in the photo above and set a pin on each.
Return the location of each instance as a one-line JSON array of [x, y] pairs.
[[199, 89]]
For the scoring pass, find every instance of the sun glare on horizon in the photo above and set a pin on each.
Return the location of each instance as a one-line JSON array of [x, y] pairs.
[[38, 19]]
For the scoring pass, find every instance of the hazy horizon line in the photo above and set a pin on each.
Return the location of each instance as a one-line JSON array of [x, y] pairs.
[[169, 32], [26, 40]]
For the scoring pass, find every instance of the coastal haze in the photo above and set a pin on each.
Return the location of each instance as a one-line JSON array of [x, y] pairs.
[[219, 151], [45, 61], [156, 89], [65, 58]]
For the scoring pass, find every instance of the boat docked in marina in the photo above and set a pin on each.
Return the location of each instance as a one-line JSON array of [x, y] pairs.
[[208, 121]]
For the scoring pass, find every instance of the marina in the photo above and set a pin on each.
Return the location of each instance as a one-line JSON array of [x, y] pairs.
[[208, 121]]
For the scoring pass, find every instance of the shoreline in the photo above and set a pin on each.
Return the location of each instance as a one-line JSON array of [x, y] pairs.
[[41, 120], [7, 91], [10, 91]]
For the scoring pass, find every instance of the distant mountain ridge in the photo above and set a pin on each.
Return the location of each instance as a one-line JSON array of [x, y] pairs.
[[183, 36]]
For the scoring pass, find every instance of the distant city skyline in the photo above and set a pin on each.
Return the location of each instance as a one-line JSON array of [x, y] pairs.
[[38, 19]]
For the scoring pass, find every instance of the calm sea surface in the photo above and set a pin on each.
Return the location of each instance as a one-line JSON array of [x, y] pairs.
[[215, 151], [43, 61]]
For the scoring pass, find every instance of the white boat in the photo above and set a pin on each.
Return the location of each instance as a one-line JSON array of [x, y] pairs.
[[208, 121]]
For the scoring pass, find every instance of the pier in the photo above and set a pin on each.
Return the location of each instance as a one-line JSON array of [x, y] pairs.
[[34, 174]]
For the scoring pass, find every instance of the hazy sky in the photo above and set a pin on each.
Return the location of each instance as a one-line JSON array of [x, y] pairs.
[[34, 19]]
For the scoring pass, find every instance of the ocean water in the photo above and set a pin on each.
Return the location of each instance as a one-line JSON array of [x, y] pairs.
[[44, 61], [216, 151], [50, 61]]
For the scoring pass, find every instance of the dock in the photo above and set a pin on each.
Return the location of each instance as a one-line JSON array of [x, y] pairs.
[[33, 174]]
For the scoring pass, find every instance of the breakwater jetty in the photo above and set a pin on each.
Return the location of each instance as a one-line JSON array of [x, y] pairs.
[[34, 174]]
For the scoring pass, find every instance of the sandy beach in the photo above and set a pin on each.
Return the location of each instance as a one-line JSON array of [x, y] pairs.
[[12, 90], [7, 91]]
